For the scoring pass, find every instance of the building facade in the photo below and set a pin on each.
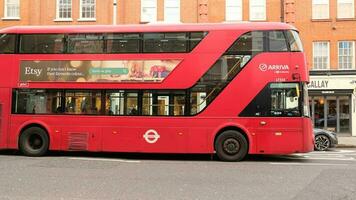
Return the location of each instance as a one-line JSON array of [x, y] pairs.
[[327, 28]]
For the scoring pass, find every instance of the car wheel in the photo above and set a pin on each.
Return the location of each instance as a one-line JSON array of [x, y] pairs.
[[34, 142], [231, 146], [322, 142]]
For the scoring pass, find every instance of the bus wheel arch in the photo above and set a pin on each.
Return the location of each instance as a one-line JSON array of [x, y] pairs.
[[231, 143], [33, 140]]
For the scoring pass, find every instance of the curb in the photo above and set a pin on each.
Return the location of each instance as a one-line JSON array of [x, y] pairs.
[[345, 146]]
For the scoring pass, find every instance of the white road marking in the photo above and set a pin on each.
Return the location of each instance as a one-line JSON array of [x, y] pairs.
[[308, 164], [106, 160]]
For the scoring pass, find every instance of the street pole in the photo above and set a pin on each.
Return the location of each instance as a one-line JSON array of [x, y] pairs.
[[114, 12]]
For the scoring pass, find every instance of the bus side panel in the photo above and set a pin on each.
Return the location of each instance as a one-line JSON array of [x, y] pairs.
[[4, 116], [308, 135]]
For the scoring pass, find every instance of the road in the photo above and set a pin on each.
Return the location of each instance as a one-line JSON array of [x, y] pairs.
[[316, 175]]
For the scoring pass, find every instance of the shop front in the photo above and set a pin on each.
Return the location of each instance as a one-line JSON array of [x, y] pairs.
[[332, 102]]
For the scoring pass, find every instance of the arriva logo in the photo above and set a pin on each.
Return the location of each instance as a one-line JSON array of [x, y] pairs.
[[276, 68]]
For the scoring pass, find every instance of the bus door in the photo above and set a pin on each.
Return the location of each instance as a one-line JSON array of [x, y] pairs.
[[277, 122]]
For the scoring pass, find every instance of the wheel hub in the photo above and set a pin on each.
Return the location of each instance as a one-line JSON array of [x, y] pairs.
[[231, 146]]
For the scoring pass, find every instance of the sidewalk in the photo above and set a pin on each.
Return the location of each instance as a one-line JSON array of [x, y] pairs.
[[347, 141]]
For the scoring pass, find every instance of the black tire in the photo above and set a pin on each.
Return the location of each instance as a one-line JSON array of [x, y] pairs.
[[231, 146], [322, 142], [34, 142]]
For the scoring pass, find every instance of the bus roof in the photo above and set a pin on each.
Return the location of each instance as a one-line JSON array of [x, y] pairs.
[[148, 27]]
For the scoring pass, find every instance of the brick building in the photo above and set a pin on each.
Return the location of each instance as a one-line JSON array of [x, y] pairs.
[[327, 28]]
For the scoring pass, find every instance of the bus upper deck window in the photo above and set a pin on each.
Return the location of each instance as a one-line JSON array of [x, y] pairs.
[[294, 41], [7, 43]]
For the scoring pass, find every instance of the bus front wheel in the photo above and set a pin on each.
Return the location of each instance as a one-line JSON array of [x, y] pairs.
[[34, 142], [231, 146]]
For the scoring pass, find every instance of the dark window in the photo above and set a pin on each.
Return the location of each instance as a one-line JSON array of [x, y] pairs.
[[42, 43], [164, 42], [85, 43], [275, 100], [7, 43], [294, 41], [83, 102], [250, 43], [276, 41], [37, 101], [215, 80], [123, 43], [195, 38]]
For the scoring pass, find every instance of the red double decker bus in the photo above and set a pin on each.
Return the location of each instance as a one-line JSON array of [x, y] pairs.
[[230, 89]]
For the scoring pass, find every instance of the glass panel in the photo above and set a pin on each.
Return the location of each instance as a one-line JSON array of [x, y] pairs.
[[83, 102], [37, 102], [162, 105], [131, 101], [85, 43], [178, 105], [123, 43], [277, 41], [195, 38], [7, 43], [42, 43], [114, 103], [294, 41], [164, 42], [285, 99], [250, 43], [319, 111], [331, 113], [344, 114]]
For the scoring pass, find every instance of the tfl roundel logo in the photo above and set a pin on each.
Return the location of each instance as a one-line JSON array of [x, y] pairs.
[[263, 67]]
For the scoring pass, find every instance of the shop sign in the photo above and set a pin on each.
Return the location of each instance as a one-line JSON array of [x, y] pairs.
[[318, 84]]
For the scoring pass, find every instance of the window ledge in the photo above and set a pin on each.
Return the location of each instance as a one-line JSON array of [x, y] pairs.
[[63, 20], [321, 20], [86, 19], [11, 18], [345, 19], [258, 20]]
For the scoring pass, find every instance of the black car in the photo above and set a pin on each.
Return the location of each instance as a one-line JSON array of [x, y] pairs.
[[324, 139]]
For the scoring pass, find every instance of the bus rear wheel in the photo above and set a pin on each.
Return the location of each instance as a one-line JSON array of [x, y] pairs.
[[34, 142], [231, 146]]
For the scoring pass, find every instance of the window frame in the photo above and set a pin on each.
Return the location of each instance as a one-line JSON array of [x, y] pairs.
[[252, 6], [338, 11], [352, 55], [6, 14], [318, 16], [143, 18], [171, 7], [81, 11], [328, 54], [58, 5], [238, 6]]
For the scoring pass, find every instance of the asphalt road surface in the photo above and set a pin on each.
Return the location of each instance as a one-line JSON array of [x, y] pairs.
[[316, 175]]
